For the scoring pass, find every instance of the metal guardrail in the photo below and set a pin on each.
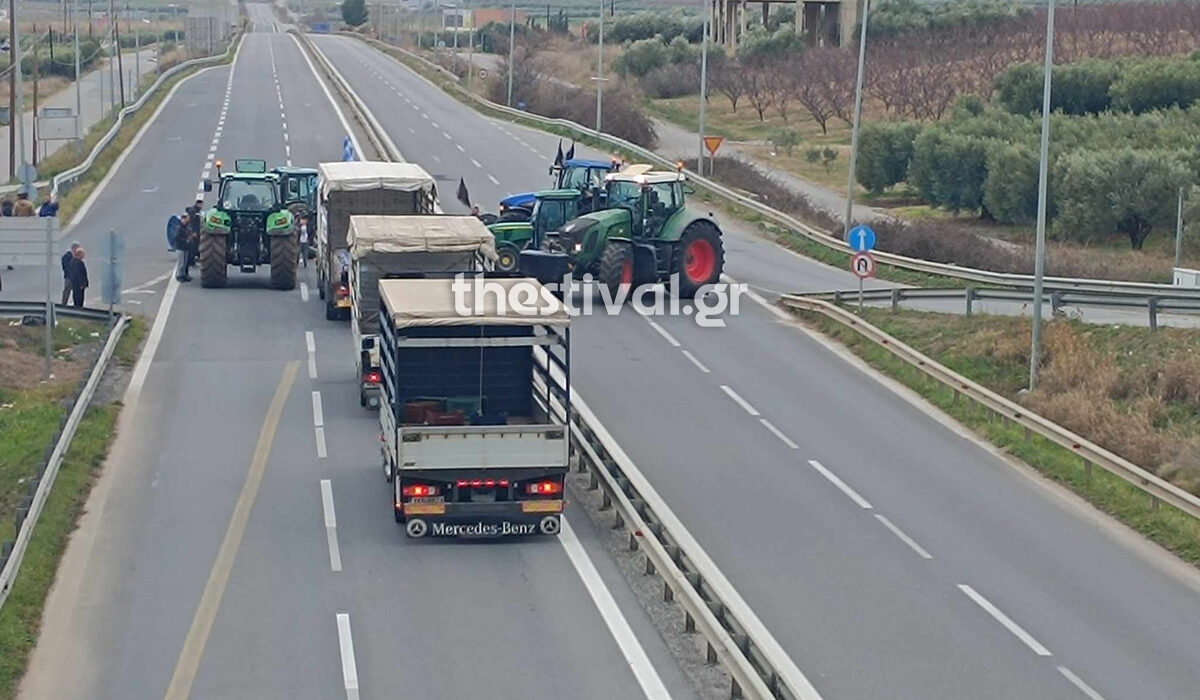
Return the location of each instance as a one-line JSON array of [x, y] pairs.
[[38, 309], [1157, 488], [758, 666], [62, 182], [814, 234], [734, 636], [10, 560], [1154, 305]]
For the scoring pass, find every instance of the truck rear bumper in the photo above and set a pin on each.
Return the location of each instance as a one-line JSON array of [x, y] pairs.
[[480, 520]]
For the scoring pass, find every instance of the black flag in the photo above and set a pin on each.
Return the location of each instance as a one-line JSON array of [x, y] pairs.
[[571, 151], [463, 195], [558, 159]]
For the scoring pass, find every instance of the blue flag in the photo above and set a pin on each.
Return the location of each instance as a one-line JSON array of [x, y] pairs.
[[348, 150]]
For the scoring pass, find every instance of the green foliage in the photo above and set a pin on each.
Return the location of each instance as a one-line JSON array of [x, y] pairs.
[[647, 25], [900, 17], [949, 168], [354, 12], [681, 51], [884, 152], [560, 23], [1077, 88], [1117, 190], [641, 57], [825, 156], [1157, 84], [786, 140], [1010, 190], [760, 45]]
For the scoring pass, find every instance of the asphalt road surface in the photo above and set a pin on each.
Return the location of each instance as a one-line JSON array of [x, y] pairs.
[[889, 553], [207, 563]]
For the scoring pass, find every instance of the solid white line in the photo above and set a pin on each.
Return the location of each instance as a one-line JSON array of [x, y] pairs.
[[778, 433], [618, 626], [663, 332], [138, 379], [493, 179], [833, 479], [324, 88], [349, 669], [1005, 620], [699, 365], [322, 453], [335, 553], [304, 292], [740, 401], [903, 537], [1078, 683], [318, 412]]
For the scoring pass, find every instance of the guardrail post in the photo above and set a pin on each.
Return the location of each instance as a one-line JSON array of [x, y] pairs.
[[895, 300], [1152, 305], [837, 297], [1087, 468], [970, 295], [1056, 302]]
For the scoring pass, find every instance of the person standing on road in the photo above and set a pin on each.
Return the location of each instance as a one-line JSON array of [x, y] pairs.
[[24, 207], [183, 249], [67, 257], [195, 217], [77, 274]]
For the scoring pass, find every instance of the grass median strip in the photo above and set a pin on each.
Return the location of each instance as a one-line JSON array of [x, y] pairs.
[[1133, 391]]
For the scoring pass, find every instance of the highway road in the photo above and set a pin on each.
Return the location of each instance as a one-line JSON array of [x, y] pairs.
[[890, 553], [240, 542]]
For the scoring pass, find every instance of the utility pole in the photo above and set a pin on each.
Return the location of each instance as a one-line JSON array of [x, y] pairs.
[[1179, 230], [34, 130], [18, 116], [117, 44], [703, 93], [858, 90], [1039, 262], [12, 89], [78, 86], [512, 43]]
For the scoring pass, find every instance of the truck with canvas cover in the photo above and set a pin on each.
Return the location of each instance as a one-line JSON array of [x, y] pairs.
[[357, 187], [389, 247], [646, 233], [249, 226], [475, 410]]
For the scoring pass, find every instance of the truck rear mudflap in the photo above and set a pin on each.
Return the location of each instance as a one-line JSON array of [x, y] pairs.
[[480, 507]]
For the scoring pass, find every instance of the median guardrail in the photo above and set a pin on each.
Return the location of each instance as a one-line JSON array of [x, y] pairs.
[[1157, 488], [27, 518], [824, 238], [37, 309], [1154, 305]]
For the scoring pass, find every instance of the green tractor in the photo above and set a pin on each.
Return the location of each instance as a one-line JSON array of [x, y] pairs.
[[298, 191], [551, 209], [249, 226], [645, 234]]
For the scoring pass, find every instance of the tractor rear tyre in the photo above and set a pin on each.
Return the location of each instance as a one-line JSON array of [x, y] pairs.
[[699, 257], [615, 267], [508, 258], [285, 255], [213, 272]]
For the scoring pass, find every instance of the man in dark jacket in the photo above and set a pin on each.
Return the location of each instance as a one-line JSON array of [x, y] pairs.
[[49, 207], [77, 274], [195, 216], [67, 257]]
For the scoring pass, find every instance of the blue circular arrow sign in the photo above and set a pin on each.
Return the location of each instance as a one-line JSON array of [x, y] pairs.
[[861, 239]]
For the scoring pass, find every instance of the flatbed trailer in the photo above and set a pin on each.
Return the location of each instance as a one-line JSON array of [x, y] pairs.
[[475, 421]]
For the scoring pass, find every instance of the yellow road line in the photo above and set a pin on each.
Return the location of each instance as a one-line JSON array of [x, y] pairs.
[[210, 601]]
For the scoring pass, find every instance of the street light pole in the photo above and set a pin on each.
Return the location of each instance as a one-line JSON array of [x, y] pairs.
[[600, 71], [703, 94], [858, 91], [512, 42], [1179, 230], [78, 86], [1039, 263]]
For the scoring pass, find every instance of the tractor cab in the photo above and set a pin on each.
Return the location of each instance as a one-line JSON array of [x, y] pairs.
[[551, 210], [580, 174], [651, 198], [298, 186]]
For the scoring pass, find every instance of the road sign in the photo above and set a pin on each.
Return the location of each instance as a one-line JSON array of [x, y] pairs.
[[863, 265], [23, 240], [114, 269], [861, 239], [348, 150], [713, 144]]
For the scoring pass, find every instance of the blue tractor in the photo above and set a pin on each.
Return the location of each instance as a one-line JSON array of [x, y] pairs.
[[586, 176]]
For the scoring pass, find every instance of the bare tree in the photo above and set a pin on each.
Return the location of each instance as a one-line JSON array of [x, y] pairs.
[[758, 89], [729, 79]]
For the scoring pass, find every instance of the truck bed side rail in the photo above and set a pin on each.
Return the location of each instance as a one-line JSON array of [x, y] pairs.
[[475, 447]]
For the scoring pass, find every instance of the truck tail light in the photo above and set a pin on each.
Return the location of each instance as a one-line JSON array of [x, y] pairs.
[[343, 291], [543, 488], [482, 483], [420, 490], [372, 377]]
